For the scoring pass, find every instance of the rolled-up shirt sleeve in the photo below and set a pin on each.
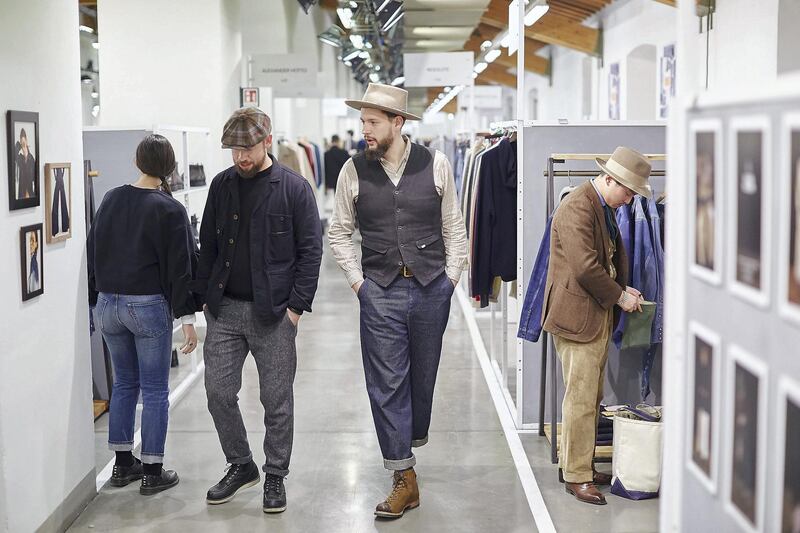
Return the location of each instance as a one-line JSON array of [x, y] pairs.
[[453, 229], [343, 225]]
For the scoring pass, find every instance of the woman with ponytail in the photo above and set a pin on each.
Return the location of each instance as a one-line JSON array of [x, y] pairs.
[[141, 260]]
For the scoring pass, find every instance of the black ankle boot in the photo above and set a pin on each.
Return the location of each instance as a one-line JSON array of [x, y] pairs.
[[238, 477], [153, 483], [274, 494], [122, 475]]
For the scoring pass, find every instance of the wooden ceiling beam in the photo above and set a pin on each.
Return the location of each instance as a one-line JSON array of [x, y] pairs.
[[533, 63], [557, 30], [498, 75]]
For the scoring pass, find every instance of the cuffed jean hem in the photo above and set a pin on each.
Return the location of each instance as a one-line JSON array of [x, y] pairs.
[[151, 458], [120, 446], [402, 464], [275, 471], [418, 443], [240, 460]]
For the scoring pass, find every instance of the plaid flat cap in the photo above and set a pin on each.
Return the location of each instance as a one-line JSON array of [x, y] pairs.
[[247, 127]]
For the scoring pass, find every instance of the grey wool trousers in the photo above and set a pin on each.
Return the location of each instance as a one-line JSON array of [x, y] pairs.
[[230, 337]]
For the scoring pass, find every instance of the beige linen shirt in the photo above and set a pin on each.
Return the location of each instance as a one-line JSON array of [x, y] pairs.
[[344, 215]]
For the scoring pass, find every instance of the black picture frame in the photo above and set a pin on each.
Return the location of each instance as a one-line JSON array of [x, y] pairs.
[[31, 286], [24, 176]]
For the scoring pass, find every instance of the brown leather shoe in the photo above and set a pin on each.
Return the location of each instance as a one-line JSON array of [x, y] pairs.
[[598, 478], [585, 492], [405, 495]]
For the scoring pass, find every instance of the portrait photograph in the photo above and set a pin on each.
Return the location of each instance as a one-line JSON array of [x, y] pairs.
[[23, 159], [750, 215], [613, 92], [747, 443], [788, 444], [789, 271], [58, 201], [705, 160], [703, 421], [31, 261], [249, 97], [667, 75]]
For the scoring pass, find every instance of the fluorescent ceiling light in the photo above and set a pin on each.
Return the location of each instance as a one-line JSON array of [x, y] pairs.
[[491, 55], [506, 41], [392, 21], [348, 63], [86, 29], [346, 16], [447, 89], [363, 54], [332, 36], [384, 4], [480, 67], [485, 45], [349, 56], [357, 40], [353, 4], [539, 9], [375, 77], [399, 80], [474, 75]]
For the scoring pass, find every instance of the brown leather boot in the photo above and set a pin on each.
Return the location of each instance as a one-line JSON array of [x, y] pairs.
[[405, 495], [585, 492]]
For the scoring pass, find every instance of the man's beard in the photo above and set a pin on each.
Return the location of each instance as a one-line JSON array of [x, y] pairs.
[[255, 169], [377, 153]]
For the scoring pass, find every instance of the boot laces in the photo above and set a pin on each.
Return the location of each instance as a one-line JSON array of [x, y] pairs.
[[399, 485], [272, 483]]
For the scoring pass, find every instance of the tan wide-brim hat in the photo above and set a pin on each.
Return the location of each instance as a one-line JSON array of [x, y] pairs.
[[386, 98], [630, 168]]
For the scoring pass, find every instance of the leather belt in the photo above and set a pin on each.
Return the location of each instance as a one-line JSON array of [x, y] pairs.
[[406, 272]]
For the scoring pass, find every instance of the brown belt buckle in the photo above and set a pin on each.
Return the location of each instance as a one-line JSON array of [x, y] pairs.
[[406, 273]]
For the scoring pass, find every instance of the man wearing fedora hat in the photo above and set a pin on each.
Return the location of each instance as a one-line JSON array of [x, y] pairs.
[[413, 248], [584, 294], [261, 249]]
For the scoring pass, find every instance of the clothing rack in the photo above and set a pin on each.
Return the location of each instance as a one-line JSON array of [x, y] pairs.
[[548, 348]]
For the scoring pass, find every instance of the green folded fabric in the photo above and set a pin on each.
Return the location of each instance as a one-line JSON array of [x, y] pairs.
[[638, 327]]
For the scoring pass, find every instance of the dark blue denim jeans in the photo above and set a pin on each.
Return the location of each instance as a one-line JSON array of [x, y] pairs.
[[401, 341], [138, 332]]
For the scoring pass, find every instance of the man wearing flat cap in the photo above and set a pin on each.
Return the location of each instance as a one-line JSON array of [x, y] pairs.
[[261, 248], [584, 294], [413, 248]]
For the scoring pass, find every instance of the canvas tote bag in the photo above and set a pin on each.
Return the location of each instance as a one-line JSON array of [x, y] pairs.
[[637, 452]]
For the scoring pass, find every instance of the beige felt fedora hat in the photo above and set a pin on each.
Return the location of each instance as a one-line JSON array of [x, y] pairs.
[[386, 98], [630, 168]]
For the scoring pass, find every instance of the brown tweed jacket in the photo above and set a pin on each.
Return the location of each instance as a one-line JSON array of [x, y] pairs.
[[579, 289]]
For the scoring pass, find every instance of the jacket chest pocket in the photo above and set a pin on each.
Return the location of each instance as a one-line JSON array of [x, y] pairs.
[[280, 236]]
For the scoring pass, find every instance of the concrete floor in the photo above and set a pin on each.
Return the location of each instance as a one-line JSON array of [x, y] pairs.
[[467, 478]]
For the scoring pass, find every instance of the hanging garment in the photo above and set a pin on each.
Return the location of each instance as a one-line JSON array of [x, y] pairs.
[[288, 157], [320, 164], [60, 211], [530, 322], [495, 228], [656, 222]]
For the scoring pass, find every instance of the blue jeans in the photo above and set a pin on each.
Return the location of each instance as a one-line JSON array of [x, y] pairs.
[[138, 332], [401, 341]]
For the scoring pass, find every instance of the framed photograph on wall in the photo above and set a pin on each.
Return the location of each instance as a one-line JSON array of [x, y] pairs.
[[746, 442], [58, 201], [22, 133], [787, 482], [789, 234], [249, 97], [667, 78], [31, 261], [704, 368], [706, 201], [613, 92], [749, 207]]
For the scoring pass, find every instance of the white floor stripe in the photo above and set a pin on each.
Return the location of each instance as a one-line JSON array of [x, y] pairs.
[[544, 523], [174, 398]]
